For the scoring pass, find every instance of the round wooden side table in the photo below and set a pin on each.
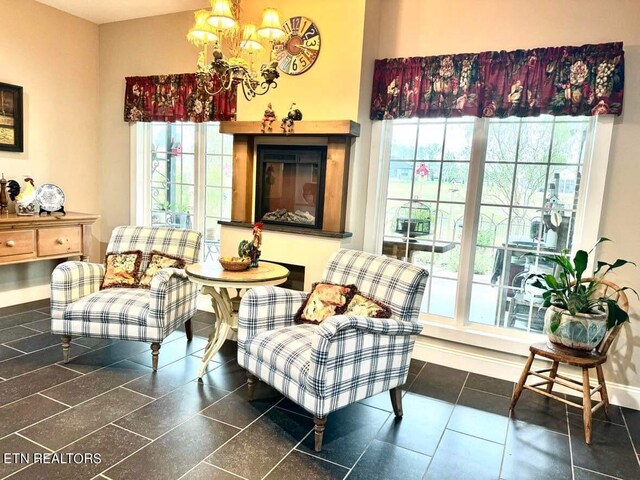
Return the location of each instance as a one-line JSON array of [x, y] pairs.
[[215, 281]]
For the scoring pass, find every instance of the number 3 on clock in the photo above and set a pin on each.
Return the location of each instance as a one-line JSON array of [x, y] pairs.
[[301, 46]]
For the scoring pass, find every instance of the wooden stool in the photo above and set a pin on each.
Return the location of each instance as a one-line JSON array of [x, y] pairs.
[[584, 360]]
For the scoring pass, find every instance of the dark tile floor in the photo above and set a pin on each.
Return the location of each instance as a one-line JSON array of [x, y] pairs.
[[168, 426]]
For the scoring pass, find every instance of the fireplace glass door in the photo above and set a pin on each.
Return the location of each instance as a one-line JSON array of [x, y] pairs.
[[290, 185]]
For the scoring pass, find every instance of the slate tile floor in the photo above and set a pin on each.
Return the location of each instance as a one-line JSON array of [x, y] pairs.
[[169, 426]]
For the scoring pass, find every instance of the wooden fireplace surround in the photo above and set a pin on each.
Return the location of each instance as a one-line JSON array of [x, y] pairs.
[[340, 133]]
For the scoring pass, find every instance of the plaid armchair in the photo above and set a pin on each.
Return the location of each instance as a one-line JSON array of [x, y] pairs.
[[80, 308], [344, 359]]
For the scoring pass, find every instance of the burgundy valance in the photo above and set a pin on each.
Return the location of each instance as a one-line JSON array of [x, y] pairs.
[[176, 98], [586, 80]]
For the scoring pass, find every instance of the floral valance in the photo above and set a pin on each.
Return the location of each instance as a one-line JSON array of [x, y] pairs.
[[176, 98], [586, 80]]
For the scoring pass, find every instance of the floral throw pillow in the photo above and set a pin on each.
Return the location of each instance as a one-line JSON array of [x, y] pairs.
[[325, 300], [158, 261], [367, 307], [122, 269]]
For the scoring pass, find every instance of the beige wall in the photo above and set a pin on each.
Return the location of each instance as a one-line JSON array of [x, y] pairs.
[[417, 28], [54, 57], [157, 45]]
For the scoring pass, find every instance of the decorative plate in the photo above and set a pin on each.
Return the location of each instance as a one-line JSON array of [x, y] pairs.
[[50, 196]]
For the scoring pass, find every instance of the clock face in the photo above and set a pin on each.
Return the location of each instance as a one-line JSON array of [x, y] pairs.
[[300, 47]]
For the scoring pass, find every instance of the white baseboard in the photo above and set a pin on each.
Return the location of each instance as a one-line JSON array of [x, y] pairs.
[[505, 366], [24, 295]]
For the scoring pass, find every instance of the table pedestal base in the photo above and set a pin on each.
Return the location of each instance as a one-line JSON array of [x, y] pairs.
[[223, 308]]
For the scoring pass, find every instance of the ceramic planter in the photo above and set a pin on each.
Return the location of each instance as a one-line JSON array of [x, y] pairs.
[[583, 331]]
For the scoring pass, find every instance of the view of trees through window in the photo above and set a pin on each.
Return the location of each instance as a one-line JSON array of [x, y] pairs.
[[529, 190], [191, 170]]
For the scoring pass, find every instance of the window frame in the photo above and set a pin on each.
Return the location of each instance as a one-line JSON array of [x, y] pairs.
[[587, 227], [140, 175]]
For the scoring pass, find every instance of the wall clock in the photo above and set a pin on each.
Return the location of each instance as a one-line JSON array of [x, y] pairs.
[[301, 45]]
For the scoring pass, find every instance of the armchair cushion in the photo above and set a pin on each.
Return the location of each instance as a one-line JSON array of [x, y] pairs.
[[122, 269], [114, 305], [367, 307], [324, 300], [113, 313], [287, 350], [158, 261]]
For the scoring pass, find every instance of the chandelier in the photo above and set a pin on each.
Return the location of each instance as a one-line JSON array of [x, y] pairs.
[[218, 30]]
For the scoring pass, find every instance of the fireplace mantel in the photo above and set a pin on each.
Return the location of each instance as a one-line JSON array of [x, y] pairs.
[[347, 128], [339, 134], [289, 229]]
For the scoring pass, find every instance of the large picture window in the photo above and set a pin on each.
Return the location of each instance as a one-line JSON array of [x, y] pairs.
[[479, 203]]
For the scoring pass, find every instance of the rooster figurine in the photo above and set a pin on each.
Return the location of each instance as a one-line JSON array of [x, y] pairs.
[[251, 249], [25, 200]]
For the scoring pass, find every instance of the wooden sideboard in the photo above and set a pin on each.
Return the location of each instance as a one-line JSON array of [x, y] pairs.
[[27, 238]]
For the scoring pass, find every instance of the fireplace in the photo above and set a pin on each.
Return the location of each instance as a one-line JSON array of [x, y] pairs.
[[290, 185], [309, 173]]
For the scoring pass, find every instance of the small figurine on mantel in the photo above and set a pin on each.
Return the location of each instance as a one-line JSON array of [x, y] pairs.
[[293, 116], [268, 118], [251, 249]]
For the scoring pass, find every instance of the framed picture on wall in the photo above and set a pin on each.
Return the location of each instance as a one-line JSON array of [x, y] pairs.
[[11, 127]]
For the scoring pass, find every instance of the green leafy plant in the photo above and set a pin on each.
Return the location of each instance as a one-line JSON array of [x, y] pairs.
[[569, 292]]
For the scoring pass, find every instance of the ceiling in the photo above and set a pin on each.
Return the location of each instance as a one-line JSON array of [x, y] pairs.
[[105, 11]]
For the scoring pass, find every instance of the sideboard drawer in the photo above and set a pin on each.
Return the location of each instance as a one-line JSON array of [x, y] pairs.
[[19, 242], [57, 241]]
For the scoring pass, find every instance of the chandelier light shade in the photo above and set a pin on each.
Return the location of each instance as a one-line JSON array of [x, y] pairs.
[[221, 17], [271, 28], [230, 48], [202, 33], [250, 41]]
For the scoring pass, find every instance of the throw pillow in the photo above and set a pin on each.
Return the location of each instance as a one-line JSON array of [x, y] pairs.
[[157, 261], [325, 300], [367, 307], [122, 269]]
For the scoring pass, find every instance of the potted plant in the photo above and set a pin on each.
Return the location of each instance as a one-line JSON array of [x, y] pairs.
[[578, 315]]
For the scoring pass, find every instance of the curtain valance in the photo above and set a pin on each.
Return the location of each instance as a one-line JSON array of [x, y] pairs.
[[586, 80], [176, 98]]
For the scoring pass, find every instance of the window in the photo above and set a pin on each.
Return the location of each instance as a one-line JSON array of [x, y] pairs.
[[527, 209], [185, 170], [478, 203], [428, 176]]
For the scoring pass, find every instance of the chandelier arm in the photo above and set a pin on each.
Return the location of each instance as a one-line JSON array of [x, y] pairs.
[[213, 29], [247, 96], [266, 86]]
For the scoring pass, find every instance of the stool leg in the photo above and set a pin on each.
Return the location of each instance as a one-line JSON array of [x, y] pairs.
[[552, 374], [586, 405], [523, 378], [603, 391]]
